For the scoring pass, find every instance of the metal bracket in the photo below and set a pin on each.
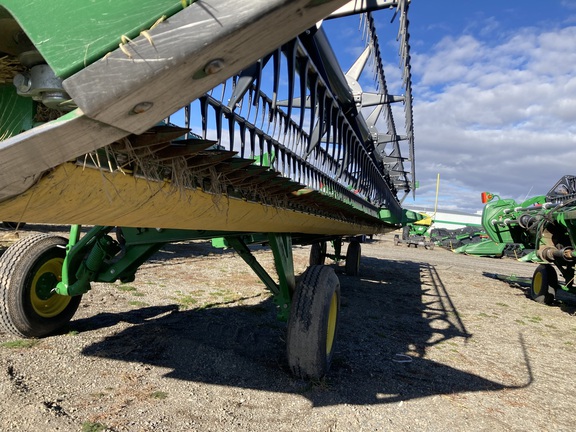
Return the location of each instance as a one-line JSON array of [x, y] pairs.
[[281, 245]]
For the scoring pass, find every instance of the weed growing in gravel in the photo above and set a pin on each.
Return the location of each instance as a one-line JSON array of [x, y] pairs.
[[502, 304], [73, 332], [21, 343], [552, 326], [185, 301], [138, 303], [92, 427], [126, 288], [320, 385], [159, 395]]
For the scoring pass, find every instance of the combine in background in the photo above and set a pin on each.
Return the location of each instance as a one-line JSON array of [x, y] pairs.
[[416, 233]]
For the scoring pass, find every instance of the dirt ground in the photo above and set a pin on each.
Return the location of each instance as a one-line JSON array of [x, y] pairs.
[[428, 340]]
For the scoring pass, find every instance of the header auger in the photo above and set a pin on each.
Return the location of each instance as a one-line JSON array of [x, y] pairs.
[[168, 120], [546, 224]]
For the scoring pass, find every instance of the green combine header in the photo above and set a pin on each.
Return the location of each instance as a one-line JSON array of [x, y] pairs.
[[156, 121]]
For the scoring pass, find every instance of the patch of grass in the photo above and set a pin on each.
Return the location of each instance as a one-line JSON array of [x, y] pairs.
[[552, 326], [73, 332], [502, 304], [159, 395], [186, 301], [314, 385], [138, 294], [126, 288], [534, 319], [484, 315], [519, 321], [220, 293], [21, 343], [568, 343], [89, 426], [138, 303]]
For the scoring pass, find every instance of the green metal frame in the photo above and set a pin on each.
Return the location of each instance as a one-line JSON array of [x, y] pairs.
[[16, 113], [98, 257], [281, 245], [552, 225]]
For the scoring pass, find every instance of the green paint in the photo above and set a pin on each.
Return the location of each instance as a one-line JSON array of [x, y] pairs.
[[484, 248], [16, 113], [72, 35]]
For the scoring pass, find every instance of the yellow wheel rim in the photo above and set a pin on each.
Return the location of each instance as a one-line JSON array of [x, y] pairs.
[[537, 283], [332, 317], [46, 304]]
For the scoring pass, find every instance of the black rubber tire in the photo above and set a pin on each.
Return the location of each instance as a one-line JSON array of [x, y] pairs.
[[544, 277], [13, 225], [318, 253], [353, 254], [24, 309], [313, 323]]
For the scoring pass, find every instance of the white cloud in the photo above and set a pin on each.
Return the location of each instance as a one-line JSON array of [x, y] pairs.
[[496, 116]]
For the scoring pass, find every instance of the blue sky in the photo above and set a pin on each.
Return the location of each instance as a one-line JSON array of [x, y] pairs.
[[494, 86]]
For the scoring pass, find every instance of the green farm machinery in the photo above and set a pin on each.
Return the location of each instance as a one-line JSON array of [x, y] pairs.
[[416, 233], [545, 224], [149, 122]]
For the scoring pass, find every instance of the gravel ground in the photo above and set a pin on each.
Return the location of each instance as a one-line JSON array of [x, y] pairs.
[[427, 341]]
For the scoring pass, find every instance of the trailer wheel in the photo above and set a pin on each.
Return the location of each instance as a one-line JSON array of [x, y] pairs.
[[318, 253], [353, 258], [313, 323], [544, 277], [29, 270]]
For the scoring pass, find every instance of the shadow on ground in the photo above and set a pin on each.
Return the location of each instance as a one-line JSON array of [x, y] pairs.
[[524, 283], [395, 308]]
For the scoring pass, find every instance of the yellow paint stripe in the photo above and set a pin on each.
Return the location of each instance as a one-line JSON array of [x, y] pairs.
[[73, 195]]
